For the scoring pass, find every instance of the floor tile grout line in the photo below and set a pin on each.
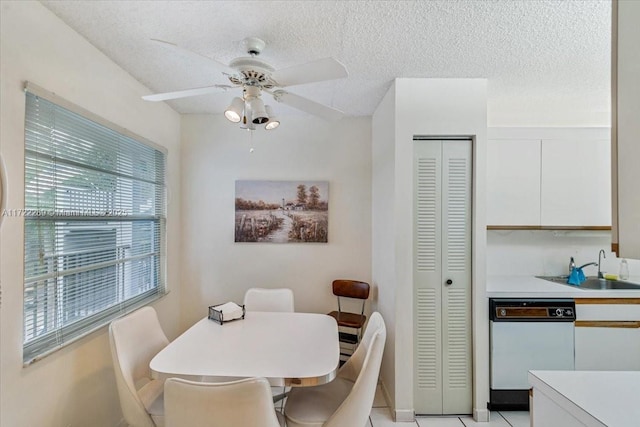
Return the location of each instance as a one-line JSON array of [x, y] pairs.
[[415, 421], [460, 419], [504, 418]]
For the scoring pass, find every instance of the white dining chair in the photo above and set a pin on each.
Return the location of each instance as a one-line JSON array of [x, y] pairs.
[[245, 403], [275, 300], [261, 299], [135, 339], [347, 400]]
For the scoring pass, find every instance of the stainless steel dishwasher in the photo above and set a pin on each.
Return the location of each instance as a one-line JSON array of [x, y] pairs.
[[527, 334]]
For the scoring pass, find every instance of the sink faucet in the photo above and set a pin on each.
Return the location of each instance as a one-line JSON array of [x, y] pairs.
[[604, 255], [587, 265]]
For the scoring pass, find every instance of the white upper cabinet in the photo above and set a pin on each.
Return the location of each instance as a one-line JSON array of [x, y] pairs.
[[576, 183], [547, 177], [513, 182]]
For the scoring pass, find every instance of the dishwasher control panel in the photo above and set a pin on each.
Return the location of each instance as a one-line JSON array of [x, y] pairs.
[[532, 310]]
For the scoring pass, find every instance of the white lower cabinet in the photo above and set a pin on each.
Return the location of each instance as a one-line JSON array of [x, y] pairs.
[[587, 398], [607, 346], [546, 412], [607, 335]]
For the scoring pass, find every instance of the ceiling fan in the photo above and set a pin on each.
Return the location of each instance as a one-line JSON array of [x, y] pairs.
[[255, 76]]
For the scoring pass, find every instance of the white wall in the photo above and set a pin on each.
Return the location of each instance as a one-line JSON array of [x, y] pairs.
[[431, 107], [216, 154], [544, 252], [383, 254], [76, 385]]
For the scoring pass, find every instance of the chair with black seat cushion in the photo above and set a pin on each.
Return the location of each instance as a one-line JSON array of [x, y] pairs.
[[135, 339], [345, 289], [347, 400], [245, 403]]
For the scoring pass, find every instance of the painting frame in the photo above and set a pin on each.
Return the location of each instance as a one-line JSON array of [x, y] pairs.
[[292, 211]]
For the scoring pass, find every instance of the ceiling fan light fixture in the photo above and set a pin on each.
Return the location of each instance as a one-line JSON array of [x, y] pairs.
[[233, 113], [272, 124], [273, 121], [258, 111], [246, 122]]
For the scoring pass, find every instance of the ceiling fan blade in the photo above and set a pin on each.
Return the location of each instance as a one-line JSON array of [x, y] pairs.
[[186, 93], [223, 67], [307, 105], [315, 71]]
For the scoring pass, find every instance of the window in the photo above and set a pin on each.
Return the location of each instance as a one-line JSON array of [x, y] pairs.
[[94, 224]]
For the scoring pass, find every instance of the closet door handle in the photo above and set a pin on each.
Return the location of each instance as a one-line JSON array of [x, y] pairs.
[[449, 282]]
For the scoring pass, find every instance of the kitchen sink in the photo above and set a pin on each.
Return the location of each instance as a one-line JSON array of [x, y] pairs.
[[593, 283]]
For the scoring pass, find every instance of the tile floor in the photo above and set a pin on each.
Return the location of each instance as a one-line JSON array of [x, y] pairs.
[[381, 417]]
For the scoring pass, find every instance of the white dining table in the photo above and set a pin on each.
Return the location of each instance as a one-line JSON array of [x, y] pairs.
[[301, 348]]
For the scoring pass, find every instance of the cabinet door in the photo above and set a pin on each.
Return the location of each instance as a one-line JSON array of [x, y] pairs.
[[607, 346], [547, 412], [513, 182], [607, 335], [576, 183]]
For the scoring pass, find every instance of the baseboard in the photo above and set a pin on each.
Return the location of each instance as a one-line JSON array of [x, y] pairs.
[[401, 416], [481, 415], [404, 416]]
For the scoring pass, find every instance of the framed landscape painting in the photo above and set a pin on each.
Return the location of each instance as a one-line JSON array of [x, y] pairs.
[[282, 211]]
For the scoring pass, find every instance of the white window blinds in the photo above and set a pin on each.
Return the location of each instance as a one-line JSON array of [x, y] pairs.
[[94, 225]]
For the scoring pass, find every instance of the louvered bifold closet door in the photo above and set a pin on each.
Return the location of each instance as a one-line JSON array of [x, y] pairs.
[[456, 267], [442, 225], [427, 277]]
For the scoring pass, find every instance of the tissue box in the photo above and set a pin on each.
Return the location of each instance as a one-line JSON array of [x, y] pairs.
[[219, 315]]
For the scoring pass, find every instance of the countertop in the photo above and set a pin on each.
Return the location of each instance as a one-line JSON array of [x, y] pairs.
[[532, 287], [612, 398]]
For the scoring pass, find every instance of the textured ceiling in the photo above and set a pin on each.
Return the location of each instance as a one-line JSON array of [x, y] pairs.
[[536, 55]]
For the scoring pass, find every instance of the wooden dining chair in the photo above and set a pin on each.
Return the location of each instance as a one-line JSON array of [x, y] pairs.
[[245, 403], [135, 339], [348, 318]]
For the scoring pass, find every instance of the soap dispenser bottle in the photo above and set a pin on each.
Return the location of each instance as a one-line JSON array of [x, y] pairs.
[[572, 265], [624, 270]]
